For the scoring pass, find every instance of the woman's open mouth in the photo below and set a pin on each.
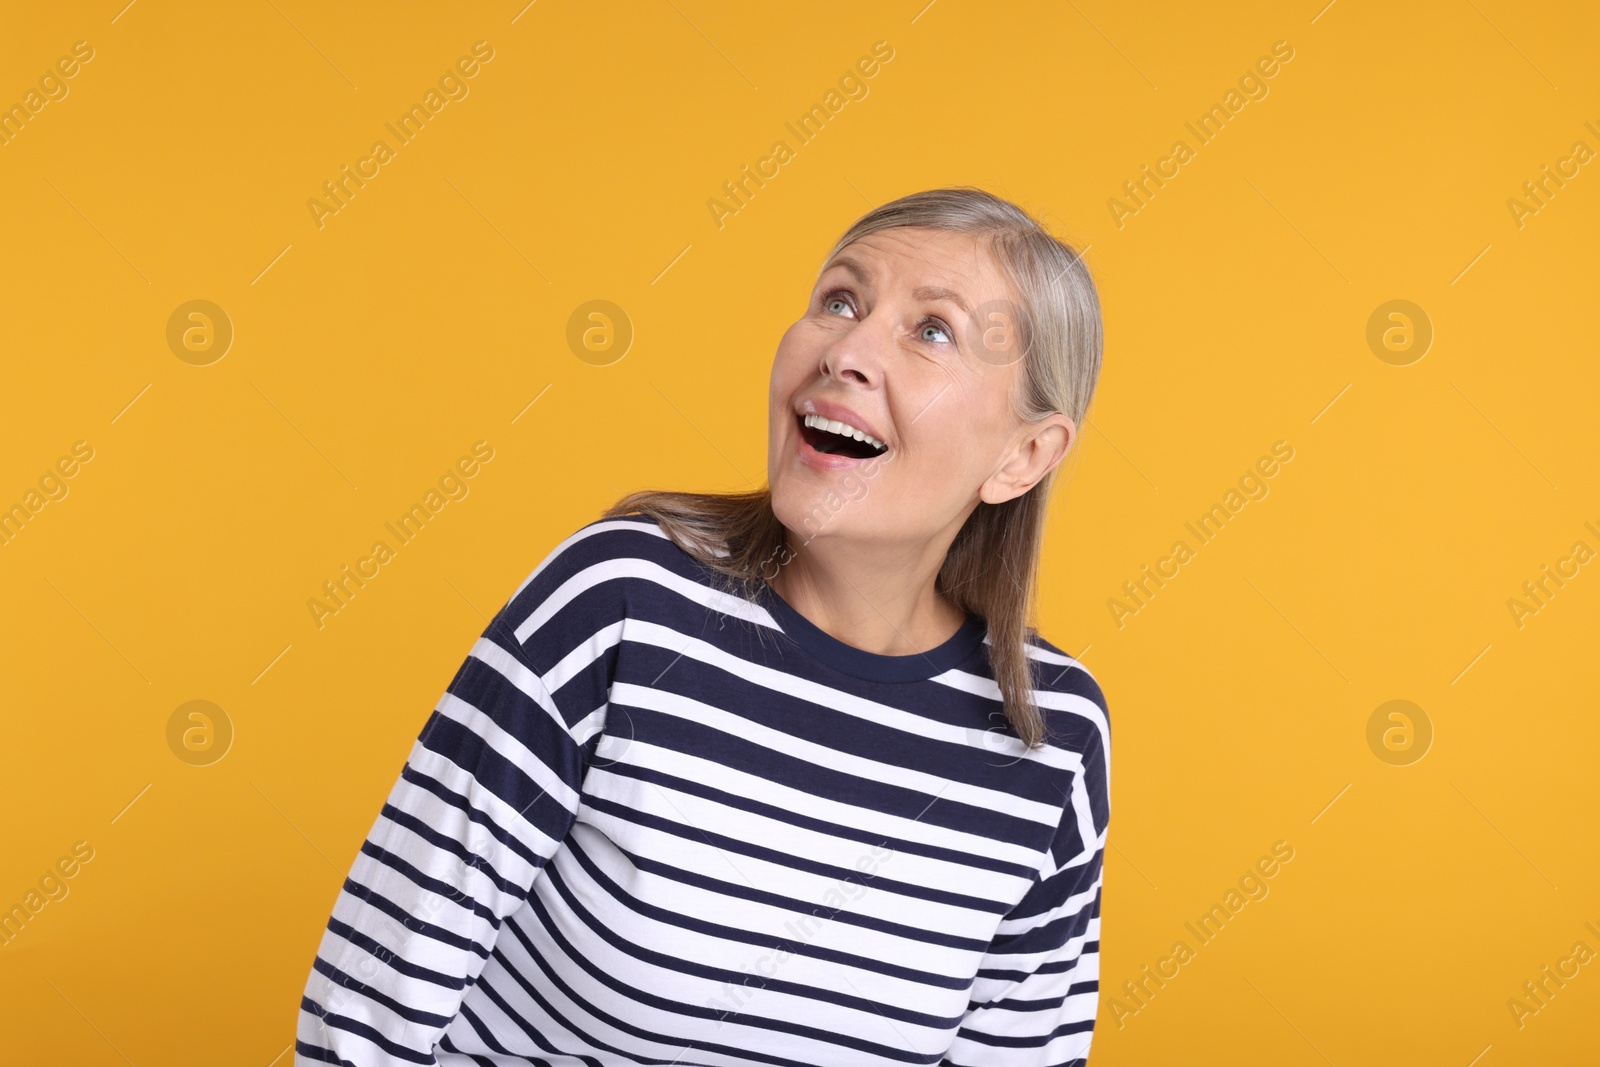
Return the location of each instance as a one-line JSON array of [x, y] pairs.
[[833, 438]]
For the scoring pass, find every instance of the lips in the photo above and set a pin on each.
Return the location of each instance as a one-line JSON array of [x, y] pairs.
[[835, 412], [832, 437], [824, 437]]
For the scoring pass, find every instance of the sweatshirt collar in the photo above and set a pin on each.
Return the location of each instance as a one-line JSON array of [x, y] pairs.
[[870, 665]]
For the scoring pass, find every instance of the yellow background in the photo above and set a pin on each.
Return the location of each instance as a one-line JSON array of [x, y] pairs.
[[431, 311]]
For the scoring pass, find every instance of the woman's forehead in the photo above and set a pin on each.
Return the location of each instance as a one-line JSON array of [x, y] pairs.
[[923, 256]]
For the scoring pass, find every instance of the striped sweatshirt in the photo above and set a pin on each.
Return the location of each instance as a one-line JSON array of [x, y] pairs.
[[652, 822]]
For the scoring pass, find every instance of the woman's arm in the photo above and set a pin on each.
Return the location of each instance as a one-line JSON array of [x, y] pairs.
[[485, 798], [1038, 987]]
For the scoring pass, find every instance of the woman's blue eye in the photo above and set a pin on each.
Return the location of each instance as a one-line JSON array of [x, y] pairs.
[[836, 303]]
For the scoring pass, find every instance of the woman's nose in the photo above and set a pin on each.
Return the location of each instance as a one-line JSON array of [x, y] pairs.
[[856, 356]]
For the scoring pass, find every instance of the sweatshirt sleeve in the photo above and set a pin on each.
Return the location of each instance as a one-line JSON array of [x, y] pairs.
[[485, 798], [1038, 987]]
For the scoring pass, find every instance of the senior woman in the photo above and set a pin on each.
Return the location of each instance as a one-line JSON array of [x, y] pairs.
[[783, 777]]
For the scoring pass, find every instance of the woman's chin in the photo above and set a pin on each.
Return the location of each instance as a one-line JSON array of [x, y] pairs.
[[816, 510]]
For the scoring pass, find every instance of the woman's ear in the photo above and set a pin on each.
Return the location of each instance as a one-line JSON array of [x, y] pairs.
[[1037, 450]]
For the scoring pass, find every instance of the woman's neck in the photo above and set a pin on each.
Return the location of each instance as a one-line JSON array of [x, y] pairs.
[[878, 600]]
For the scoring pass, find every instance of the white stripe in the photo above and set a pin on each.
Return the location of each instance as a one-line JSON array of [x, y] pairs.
[[879, 824], [515, 752], [647, 570], [1067, 908], [694, 853], [1012, 747], [847, 703], [935, 787], [452, 823], [583, 534], [1088, 709], [460, 781], [810, 919], [738, 957], [815, 846], [585, 653], [517, 673], [1072, 702], [739, 1031]]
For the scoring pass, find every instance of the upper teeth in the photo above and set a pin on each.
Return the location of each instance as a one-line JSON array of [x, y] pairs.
[[834, 426]]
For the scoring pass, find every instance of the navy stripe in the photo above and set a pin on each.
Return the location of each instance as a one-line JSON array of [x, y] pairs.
[[845, 832], [715, 974], [756, 850], [764, 941], [393, 962]]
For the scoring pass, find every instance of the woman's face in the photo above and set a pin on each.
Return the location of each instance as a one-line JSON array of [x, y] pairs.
[[907, 339]]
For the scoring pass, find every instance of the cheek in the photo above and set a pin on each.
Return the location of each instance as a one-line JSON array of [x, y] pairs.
[[940, 413], [787, 377], [955, 435], [788, 364]]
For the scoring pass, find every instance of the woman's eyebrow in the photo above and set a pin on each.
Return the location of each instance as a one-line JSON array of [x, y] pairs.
[[936, 292], [925, 292], [850, 265]]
